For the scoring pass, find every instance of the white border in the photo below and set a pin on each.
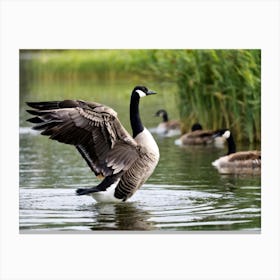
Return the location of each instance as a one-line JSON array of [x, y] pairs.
[[135, 24]]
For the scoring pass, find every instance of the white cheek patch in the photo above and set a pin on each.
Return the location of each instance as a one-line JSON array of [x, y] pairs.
[[141, 93], [226, 134]]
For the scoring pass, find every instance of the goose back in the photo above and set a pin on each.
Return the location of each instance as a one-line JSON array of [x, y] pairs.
[[247, 162], [197, 137]]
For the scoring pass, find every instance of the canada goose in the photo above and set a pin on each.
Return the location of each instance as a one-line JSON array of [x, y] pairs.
[[124, 162], [167, 127], [237, 162], [196, 137]]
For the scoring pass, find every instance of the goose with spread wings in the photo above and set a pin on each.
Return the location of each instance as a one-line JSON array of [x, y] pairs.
[[243, 162], [124, 162]]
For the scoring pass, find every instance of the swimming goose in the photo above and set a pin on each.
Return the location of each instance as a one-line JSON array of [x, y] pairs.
[[167, 127], [123, 161], [197, 136], [246, 162]]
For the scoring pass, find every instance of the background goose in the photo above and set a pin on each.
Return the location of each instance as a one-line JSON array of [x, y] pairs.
[[109, 150], [167, 127], [196, 137], [237, 162]]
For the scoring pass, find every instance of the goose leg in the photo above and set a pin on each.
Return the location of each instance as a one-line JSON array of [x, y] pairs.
[[107, 182]]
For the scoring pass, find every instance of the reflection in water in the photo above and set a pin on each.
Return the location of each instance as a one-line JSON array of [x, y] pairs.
[[121, 216]]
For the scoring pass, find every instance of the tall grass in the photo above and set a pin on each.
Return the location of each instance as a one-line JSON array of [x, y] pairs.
[[218, 88], [222, 88]]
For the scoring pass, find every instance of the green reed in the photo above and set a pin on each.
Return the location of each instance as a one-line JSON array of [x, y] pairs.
[[218, 88], [224, 92]]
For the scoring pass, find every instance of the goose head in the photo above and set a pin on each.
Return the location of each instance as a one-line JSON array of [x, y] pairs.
[[225, 133], [222, 133], [160, 113], [196, 126], [142, 91]]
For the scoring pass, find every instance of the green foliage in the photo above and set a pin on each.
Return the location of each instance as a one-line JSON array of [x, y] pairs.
[[218, 88]]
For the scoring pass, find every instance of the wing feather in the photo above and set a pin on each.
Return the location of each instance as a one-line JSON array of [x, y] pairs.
[[121, 157], [92, 128]]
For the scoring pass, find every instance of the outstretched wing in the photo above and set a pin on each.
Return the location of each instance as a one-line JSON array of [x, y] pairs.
[[92, 128]]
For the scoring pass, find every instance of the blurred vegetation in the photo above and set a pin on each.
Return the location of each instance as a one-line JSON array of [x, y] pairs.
[[218, 88]]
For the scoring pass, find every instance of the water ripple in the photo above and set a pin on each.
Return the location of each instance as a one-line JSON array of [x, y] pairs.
[[154, 207]]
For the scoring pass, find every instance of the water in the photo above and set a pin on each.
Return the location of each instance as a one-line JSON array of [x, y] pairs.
[[185, 193]]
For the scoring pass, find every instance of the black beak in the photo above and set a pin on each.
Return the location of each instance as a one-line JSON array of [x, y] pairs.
[[216, 135], [150, 92]]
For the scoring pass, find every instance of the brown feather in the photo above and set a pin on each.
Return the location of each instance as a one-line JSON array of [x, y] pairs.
[[173, 124], [93, 128], [197, 137], [247, 155]]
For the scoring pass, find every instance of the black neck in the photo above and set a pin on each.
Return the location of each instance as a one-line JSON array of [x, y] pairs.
[[135, 120], [165, 117], [231, 145]]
